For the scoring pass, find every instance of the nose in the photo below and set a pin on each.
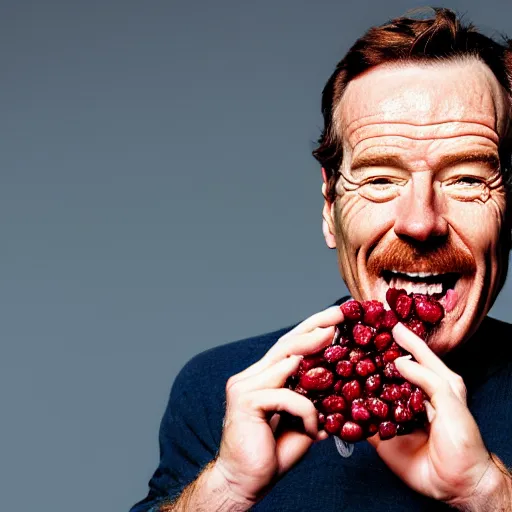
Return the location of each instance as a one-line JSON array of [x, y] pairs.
[[418, 215]]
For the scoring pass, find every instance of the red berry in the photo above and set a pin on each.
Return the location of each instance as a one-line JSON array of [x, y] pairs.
[[387, 430], [428, 310], [372, 384], [317, 379], [391, 392], [310, 361], [355, 355], [365, 367], [416, 401], [352, 390], [389, 320], [351, 432], [382, 341], [391, 355], [378, 408], [345, 368], [333, 422], [406, 389], [373, 312], [352, 310], [334, 403], [360, 413], [335, 353], [392, 295], [362, 334], [403, 306], [401, 412]]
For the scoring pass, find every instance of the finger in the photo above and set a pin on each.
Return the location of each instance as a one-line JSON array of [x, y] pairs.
[[302, 344], [326, 318], [272, 377], [420, 350], [436, 387], [290, 448], [279, 400]]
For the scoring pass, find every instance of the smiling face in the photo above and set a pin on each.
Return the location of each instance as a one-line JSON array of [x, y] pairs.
[[420, 199]]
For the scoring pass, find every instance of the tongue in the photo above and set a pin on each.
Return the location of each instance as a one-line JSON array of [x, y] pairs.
[[449, 300]]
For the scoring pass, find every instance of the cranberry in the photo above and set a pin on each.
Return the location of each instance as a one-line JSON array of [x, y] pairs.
[[403, 306], [360, 413], [406, 389], [382, 341], [352, 390], [333, 422], [345, 368], [378, 408], [416, 401], [311, 361], [389, 320], [391, 392], [317, 379], [365, 367], [335, 353], [373, 312], [355, 355], [391, 355], [352, 310], [372, 384], [392, 295], [363, 334], [334, 403], [387, 430], [351, 432], [401, 412], [427, 309]]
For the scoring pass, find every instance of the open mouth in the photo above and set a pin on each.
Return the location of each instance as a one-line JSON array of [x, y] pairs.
[[429, 283]]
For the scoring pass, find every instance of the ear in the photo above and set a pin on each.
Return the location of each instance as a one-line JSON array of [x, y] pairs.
[[327, 222]]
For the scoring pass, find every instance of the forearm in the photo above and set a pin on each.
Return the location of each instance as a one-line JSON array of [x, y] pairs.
[[210, 492], [493, 493]]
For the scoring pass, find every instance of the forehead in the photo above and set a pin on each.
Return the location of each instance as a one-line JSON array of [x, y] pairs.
[[419, 94]]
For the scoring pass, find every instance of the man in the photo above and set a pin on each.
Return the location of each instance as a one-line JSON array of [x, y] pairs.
[[415, 156]]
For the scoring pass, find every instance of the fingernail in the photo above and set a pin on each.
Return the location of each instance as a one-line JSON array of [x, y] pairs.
[[408, 357]]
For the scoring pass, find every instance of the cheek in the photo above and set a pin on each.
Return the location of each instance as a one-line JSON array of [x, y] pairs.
[[478, 224], [359, 222]]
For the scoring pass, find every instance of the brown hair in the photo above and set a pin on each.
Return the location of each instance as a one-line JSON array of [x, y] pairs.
[[442, 37]]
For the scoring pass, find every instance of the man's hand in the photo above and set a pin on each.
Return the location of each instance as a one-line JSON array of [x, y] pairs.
[[250, 457], [449, 462]]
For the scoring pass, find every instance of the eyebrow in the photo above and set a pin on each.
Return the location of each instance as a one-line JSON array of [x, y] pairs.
[[389, 160]]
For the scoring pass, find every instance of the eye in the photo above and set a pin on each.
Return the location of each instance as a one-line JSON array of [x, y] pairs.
[[380, 181], [468, 180]]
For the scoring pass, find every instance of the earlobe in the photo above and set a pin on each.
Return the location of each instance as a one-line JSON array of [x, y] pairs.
[[329, 237]]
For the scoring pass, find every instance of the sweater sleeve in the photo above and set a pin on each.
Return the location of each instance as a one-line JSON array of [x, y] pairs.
[[187, 442]]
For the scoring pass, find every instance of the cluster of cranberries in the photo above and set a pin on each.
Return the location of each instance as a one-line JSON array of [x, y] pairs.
[[354, 383]]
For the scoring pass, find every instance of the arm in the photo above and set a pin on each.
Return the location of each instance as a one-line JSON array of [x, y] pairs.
[[252, 455], [493, 492], [449, 460], [210, 491]]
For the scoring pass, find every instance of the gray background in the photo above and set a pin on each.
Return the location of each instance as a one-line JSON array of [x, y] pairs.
[[157, 198]]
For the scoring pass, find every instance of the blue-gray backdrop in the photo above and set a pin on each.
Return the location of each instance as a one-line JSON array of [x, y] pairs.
[[157, 198]]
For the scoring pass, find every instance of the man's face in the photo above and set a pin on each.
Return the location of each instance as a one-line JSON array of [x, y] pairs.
[[420, 200]]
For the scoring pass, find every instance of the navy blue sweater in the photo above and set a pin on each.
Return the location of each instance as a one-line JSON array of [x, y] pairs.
[[332, 476]]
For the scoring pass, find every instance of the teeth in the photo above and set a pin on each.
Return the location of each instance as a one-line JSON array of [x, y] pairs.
[[415, 274], [410, 287]]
